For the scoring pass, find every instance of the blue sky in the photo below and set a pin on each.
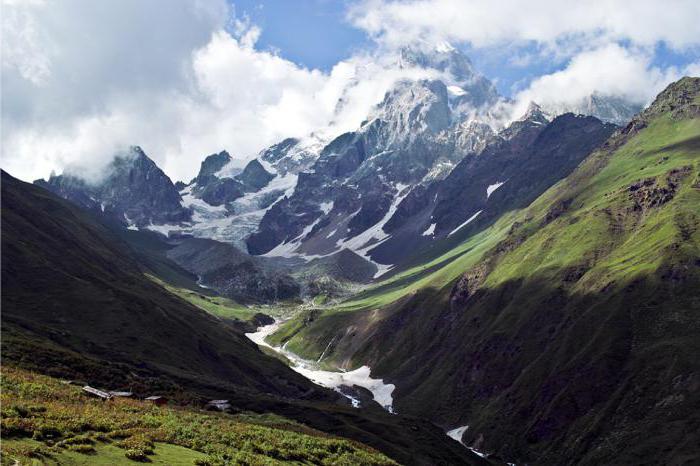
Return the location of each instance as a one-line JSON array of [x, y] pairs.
[[318, 34], [312, 33]]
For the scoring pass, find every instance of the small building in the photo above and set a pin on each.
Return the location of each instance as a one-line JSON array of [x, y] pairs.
[[157, 400], [96, 392], [221, 405], [121, 394]]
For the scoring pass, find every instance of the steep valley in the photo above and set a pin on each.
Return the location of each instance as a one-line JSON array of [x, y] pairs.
[[440, 285], [78, 306], [566, 329]]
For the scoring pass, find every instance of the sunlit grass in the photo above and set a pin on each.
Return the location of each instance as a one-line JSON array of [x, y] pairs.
[[48, 422]]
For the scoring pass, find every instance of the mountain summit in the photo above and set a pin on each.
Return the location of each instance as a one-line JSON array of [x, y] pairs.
[[133, 191]]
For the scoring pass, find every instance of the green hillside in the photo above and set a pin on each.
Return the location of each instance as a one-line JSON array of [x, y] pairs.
[[77, 305], [568, 329]]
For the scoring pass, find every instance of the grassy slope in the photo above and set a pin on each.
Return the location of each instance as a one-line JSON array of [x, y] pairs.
[[575, 338], [638, 159], [215, 305], [68, 282], [47, 422], [75, 304], [310, 340], [663, 146]]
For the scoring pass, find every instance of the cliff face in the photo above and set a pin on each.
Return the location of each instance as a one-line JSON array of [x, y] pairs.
[[134, 192]]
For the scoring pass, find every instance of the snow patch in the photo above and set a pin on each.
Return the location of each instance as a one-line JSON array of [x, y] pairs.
[[290, 248], [467, 222], [456, 90], [492, 187], [326, 207], [381, 269], [444, 47], [232, 223], [164, 229], [457, 433], [375, 235], [130, 223], [198, 205], [430, 230]]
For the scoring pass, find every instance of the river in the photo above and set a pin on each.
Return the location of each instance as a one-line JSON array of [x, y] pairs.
[[361, 377]]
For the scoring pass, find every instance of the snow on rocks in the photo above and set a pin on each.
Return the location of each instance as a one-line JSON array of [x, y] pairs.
[[381, 392], [467, 222], [375, 235], [457, 434], [456, 90], [492, 187]]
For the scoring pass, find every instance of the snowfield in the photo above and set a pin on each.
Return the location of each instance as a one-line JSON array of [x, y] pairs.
[[361, 376]]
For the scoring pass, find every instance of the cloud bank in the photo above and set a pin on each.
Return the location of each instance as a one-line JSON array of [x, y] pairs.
[[83, 80], [488, 23], [605, 46], [185, 78]]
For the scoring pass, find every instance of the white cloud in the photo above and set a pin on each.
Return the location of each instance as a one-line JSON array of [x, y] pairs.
[[610, 70], [487, 23], [606, 47], [82, 80]]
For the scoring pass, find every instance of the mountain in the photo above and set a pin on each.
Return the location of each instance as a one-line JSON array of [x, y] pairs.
[[76, 305], [417, 211], [70, 285], [564, 332], [217, 190], [133, 191], [608, 108], [417, 134], [232, 273], [369, 191], [515, 167]]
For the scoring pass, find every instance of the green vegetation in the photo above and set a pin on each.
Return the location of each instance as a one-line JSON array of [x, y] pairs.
[[438, 273], [215, 305], [320, 300], [435, 273], [45, 421], [76, 305], [596, 191], [601, 228], [572, 335]]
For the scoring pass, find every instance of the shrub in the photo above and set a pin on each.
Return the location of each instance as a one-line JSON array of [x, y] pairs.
[[59, 416], [136, 454], [78, 440], [16, 427], [82, 448]]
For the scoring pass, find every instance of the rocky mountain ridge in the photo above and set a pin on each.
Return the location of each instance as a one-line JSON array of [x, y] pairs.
[[310, 198], [566, 331], [133, 191]]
